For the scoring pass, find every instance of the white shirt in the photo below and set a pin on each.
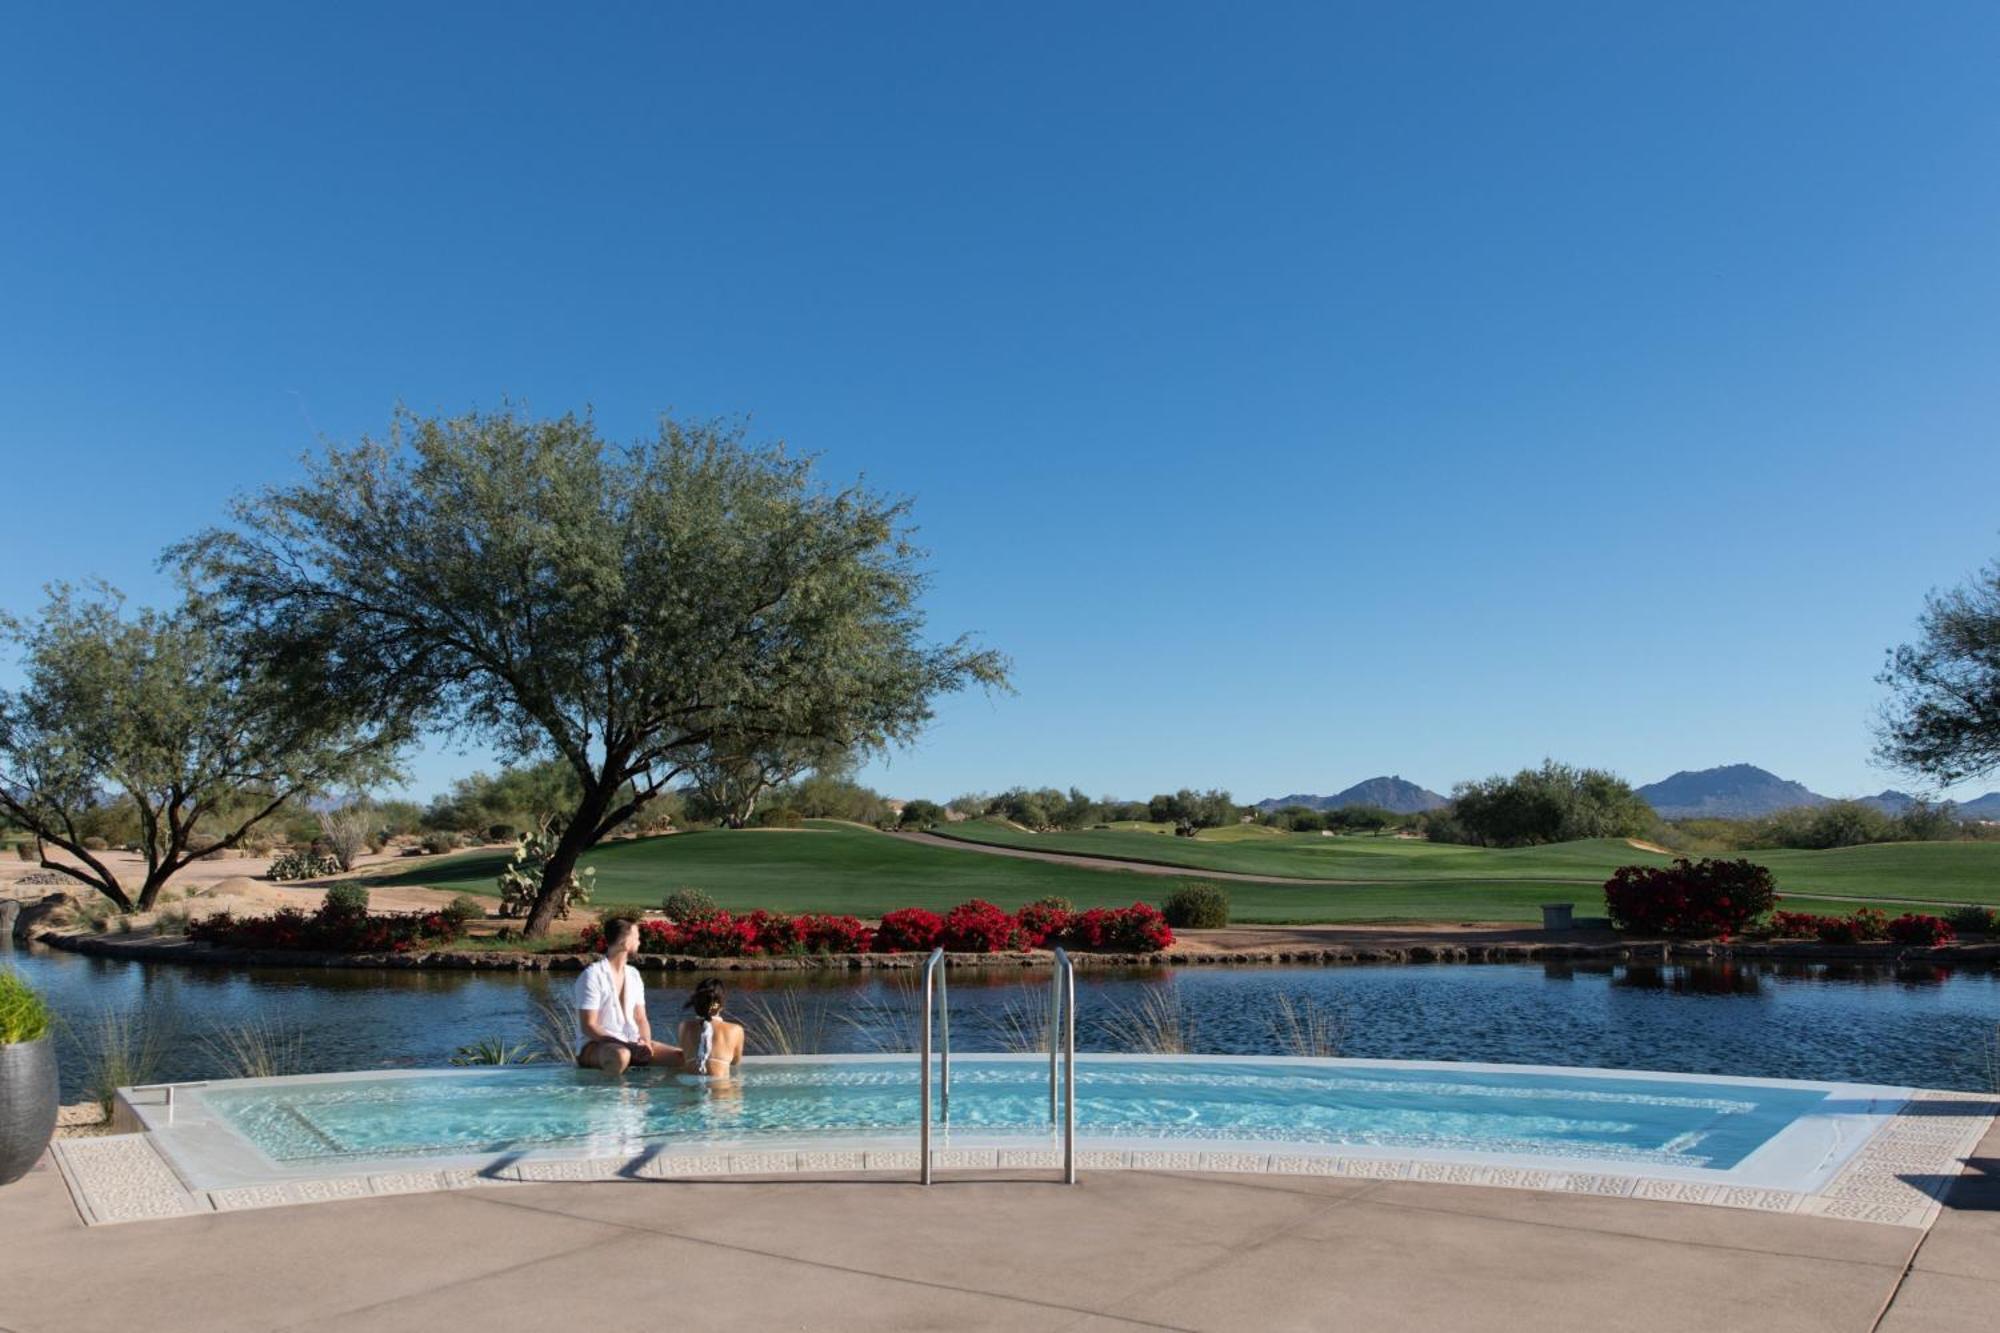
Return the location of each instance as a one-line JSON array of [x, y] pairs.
[[598, 988]]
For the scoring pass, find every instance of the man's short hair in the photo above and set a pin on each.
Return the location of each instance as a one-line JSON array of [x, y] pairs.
[[615, 928]]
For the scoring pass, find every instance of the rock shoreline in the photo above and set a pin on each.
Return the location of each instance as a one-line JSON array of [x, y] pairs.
[[175, 950]]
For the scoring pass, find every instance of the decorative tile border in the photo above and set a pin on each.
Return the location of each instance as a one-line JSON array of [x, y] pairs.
[[1899, 1176]]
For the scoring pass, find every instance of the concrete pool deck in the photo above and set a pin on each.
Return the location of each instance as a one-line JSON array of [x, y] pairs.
[[1122, 1250]]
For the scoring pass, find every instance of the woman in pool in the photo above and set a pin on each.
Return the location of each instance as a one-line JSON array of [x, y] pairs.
[[712, 1044]]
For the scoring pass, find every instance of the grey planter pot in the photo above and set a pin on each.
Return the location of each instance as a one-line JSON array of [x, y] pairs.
[[28, 1103]]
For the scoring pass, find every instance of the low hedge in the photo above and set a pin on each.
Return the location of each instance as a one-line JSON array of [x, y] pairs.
[[971, 927], [332, 929]]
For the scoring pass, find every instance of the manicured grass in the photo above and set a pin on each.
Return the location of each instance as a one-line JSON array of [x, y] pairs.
[[1959, 872], [831, 867], [825, 867], [1311, 856], [1952, 872]]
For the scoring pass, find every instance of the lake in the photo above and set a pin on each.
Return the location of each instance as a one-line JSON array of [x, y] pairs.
[[1927, 1026]]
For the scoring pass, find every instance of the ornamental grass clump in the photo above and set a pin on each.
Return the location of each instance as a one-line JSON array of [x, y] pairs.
[[24, 1016], [1706, 899]]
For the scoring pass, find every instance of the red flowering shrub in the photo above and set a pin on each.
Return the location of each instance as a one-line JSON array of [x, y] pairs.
[[334, 928], [1797, 925], [1706, 898], [977, 927], [1139, 928], [1042, 924], [834, 934], [1915, 929], [911, 930], [1867, 923]]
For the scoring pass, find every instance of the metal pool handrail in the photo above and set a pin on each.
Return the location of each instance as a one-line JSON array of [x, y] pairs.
[[933, 970], [1062, 1028]]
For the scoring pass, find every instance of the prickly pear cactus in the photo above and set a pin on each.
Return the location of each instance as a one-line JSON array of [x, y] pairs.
[[522, 879]]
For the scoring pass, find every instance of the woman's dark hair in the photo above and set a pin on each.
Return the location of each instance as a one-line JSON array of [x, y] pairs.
[[706, 1002]]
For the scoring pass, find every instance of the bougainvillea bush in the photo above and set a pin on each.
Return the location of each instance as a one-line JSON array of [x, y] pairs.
[[972, 927], [1867, 923], [1920, 931], [1707, 899], [978, 927], [1797, 925], [332, 929]]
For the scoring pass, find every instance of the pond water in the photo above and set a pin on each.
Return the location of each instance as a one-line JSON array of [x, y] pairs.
[[1927, 1026]]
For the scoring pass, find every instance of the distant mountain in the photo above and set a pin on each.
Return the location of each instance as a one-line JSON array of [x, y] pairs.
[[1981, 807], [1890, 802], [1392, 794], [1737, 791]]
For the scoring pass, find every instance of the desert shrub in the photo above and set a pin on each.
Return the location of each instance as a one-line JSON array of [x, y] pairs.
[[1920, 931], [1701, 899], [349, 898], [921, 814], [500, 833], [440, 841], [977, 927], [94, 844], [1202, 905], [1866, 924], [301, 865], [687, 904], [1971, 920], [26, 851], [465, 909], [913, 929]]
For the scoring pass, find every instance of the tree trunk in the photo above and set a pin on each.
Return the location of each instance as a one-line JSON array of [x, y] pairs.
[[149, 893], [577, 837]]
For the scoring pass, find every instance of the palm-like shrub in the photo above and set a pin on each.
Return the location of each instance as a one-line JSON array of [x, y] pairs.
[[24, 1017]]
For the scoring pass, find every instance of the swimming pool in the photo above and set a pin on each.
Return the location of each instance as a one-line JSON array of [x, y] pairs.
[[1748, 1132]]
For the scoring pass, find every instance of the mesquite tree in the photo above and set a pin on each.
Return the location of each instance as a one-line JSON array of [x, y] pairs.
[[1944, 719], [164, 710], [622, 608]]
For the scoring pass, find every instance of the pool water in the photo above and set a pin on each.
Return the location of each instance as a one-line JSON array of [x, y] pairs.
[[1656, 1121]]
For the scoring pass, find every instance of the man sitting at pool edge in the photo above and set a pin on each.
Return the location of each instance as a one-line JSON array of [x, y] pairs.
[[612, 1028]]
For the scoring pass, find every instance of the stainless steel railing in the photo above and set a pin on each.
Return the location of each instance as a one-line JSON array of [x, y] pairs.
[[1062, 1040], [934, 972], [1062, 1030]]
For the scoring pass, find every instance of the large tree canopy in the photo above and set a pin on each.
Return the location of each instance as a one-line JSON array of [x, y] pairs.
[[1943, 720], [622, 607], [165, 711], [1553, 803]]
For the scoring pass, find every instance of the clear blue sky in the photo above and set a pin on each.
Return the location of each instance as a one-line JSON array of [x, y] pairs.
[[1297, 393]]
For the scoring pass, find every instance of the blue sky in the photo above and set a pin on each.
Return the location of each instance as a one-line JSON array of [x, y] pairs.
[[1298, 393]]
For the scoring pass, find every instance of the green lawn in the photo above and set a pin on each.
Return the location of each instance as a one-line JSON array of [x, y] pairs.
[[1311, 856], [831, 867], [1952, 872], [825, 867]]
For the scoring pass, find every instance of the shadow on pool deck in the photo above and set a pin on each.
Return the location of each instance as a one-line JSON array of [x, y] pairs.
[[1123, 1250]]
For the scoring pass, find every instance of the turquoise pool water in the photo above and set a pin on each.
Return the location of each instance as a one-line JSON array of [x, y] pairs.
[[1606, 1116]]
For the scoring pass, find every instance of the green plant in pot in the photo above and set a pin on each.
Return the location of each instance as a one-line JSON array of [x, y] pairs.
[[27, 1077]]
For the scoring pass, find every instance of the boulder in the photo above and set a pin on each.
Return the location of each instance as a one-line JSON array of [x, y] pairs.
[[36, 916], [9, 909]]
